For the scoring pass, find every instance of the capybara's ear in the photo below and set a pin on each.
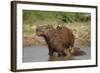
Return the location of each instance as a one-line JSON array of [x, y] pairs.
[[58, 27]]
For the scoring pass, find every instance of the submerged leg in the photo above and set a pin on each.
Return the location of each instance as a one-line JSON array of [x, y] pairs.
[[51, 52]]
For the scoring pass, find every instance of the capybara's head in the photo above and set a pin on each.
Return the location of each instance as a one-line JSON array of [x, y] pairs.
[[43, 30]]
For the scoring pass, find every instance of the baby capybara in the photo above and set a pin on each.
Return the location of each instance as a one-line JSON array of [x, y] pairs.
[[76, 51], [58, 39]]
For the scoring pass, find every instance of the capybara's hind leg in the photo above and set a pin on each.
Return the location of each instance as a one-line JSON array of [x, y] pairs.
[[64, 53], [61, 53], [67, 51]]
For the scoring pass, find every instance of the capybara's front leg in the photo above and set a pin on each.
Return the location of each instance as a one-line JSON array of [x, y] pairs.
[[51, 52]]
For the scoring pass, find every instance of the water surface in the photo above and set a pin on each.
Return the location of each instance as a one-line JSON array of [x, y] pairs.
[[40, 54]]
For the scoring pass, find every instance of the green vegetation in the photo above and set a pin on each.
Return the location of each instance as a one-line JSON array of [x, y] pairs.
[[78, 22], [64, 17]]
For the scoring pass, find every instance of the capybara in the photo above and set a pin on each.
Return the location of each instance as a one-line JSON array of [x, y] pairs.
[[66, 35], [76, 51], [58, 39]]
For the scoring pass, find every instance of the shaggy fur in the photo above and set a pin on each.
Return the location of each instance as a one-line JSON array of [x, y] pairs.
[[58, 38]]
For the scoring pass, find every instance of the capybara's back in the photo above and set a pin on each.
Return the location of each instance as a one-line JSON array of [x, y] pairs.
[[66, 35]]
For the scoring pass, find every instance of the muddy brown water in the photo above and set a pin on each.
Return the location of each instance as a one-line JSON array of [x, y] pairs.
[[40, 54]]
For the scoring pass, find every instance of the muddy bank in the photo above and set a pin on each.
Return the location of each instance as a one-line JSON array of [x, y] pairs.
[[30, 41]]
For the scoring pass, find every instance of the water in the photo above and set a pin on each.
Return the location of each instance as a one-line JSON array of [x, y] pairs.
[[40, 54]]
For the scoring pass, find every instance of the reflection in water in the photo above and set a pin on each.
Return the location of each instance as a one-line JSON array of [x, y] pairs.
[[40, 54], [55, 58]]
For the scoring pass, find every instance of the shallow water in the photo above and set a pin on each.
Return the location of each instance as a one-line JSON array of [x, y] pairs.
[[40, 54]]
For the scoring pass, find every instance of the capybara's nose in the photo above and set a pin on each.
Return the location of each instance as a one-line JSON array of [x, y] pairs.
[[39, 29]]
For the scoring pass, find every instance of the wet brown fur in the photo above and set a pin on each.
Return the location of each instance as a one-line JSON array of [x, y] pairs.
[[58, 38]]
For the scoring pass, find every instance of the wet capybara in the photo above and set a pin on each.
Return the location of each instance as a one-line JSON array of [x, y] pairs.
[[66, 35], [58, 39], [75, 51]]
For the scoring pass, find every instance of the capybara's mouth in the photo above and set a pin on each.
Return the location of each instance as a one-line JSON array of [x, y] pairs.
[[38, 33]]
